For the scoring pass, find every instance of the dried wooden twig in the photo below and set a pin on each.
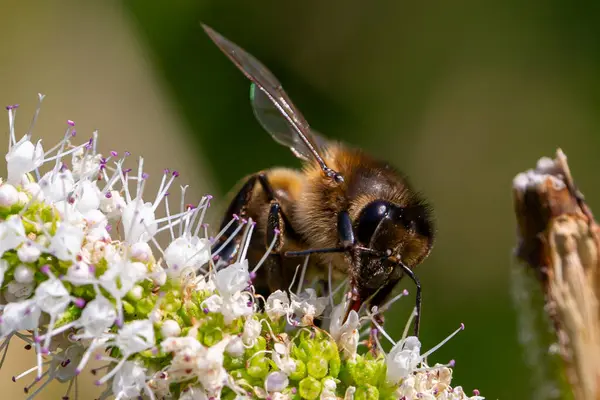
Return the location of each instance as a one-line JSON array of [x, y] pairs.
[[559, 238]]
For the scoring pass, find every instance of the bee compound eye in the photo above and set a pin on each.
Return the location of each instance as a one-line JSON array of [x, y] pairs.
[[369, 219]]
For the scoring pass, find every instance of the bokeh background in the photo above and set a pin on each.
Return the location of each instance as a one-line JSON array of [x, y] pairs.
[[459, 95]]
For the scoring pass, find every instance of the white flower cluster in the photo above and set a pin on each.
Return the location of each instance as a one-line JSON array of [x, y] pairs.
[[82, 271]]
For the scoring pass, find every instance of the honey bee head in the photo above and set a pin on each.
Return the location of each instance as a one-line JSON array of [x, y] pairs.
[[402, 233]]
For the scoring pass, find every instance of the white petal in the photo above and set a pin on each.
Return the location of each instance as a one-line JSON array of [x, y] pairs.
[[135, 336], [52, 297], [12, 233], [8, 195], [139, 221], [276, 381], [98, 316], [66, 243], [233, 278], [18, 316]]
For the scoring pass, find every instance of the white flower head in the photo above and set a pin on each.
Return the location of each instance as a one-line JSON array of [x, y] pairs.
[[186, 252], [139, 221], [52, 297], [232, 279], [211, 373], [403, 359], [66, 242], [8, 195], [3, 268], [97, 317], [194, 393], [87, 196], [24, 315], [252, 330], [130, 381], [236, 306], [12, 233], [141, 251], [24, 274], [135, 336], [28, 252], [308, 305], [188, 354], [276, 381], [170, 328], [345, 334], [34, 189], [69, 213], [112, 204], [56, 185], [80, 273], [23, 158], [127, 274], [278, 305], [328, 391], [235, 348], [85, 165], [213, 303], [283, 359]]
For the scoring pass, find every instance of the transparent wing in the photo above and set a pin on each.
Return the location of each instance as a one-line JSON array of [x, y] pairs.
[[271, 99], [279, 128]]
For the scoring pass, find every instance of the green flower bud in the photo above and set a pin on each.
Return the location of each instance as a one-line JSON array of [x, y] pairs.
[[310, 388], [259, 367], [364, 372], [128, 308], [366, 392], [190, 311], [346, 371], [334, 366], [261, 344], [240, 374], [317, 367], [231, 363], [300, 353], [145, 305], [212, 337], [227, 394], [172, 301], [299, 372], [329, 349]]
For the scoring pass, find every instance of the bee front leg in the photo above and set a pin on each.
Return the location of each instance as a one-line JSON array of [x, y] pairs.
[[275, 275]]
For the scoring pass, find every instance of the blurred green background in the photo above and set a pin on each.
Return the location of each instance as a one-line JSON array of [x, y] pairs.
[[460, 95]]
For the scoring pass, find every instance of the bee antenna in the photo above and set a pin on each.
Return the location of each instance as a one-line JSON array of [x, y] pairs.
[[414, 278]]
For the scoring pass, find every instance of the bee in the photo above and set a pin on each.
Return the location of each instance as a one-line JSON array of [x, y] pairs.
[[345, 209]]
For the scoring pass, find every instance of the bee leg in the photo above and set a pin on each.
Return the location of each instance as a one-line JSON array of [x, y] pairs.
[[415, 279], [237, 208], [383, 293], [276, 228]]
